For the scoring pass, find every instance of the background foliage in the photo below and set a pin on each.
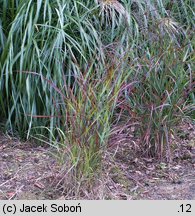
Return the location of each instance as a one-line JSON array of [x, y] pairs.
[[71, 70]]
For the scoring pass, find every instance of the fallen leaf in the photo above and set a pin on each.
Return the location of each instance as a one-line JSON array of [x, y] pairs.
[[11, 195], [39, 185]]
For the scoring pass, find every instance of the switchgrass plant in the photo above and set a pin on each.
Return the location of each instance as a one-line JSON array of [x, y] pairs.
[[86, 112], [161, 96], [63, 64]]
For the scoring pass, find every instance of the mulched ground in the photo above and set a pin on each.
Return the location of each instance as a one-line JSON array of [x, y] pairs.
[[30, 172], [25, 170], [143, 178]]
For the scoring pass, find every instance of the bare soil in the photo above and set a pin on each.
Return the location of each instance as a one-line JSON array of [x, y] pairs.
[[28, 171]]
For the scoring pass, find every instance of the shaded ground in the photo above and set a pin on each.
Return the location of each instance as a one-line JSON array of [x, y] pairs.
[[29, 172]]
